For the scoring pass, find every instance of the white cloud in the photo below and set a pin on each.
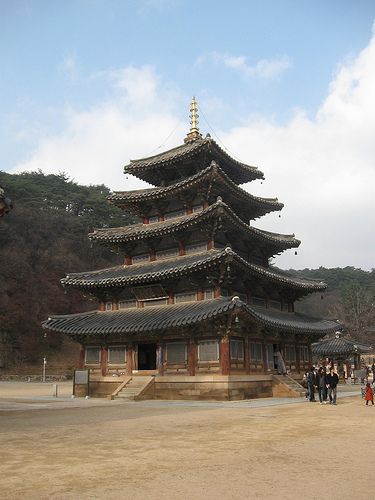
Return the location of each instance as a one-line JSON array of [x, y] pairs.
[[323, 169], [265, 68], [68, 67], [97, 143]]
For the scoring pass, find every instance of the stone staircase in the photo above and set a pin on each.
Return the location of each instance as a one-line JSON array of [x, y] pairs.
[[285, 386], [134, 387]]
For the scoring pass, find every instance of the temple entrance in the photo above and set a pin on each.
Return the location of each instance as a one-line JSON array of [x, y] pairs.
[[146, 356], [271, 356]]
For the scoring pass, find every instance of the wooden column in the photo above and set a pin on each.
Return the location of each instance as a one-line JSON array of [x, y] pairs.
[[81, 363], [145, 220], [104, 360], [225, 355], [192, 357], [128, 260], [152, 255], [200, 294], [181, 248], [246, 353], [210, 244], [217, 292], [160, 358], [101, 306], [189, 210], [129, 359], [298, 357], [264, 351]]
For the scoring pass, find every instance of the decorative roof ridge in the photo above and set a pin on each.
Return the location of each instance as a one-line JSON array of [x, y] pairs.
[[183, 264], [277, 276], [213, 167], [140, 320], [189, 220], [183, 150]]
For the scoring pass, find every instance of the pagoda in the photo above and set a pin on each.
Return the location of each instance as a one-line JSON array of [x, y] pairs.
[[196, 305]]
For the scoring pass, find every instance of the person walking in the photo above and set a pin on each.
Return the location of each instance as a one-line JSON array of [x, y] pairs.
[[322, 386], [369, 394], [332, 381], [311, 384]]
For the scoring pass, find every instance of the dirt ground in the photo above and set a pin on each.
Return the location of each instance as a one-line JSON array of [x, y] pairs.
[[165, 451]]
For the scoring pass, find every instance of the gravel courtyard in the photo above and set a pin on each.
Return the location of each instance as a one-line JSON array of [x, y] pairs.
[[81, 449]]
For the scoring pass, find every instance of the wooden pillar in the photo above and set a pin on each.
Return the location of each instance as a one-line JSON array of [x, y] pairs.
[[152, 255], [81, 363], [192, 357], [246, 354], [225, 355], [181, 248], [128, 260], [217, 292], [189, 210], [200, 294], [145, 220], [115, 305], [210, 244], [298, 357], [104, 360], [129, 359], [160, 358], [171, 298], [264, 351], [205, 205], [101, 306]]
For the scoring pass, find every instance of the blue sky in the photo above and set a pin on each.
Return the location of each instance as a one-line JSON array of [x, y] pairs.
[[86, 85]]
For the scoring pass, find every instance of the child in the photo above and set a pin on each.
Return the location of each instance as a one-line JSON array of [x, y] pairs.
[[369, 395]]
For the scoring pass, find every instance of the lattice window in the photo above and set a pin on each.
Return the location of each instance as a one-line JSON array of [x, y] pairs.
[[175, 213], [153, 219], [166, 254], [208, 350], [208, 294], [149, 292], [258, 301], [176, 353], [185, 297], [137, 259], [196, 247], [155, 302], [117, 355], [127, 304], [92, 355], [256, 351], [304, 354], [236, 349], [197, 208], [290, 353], [275, 304], [108, 306]]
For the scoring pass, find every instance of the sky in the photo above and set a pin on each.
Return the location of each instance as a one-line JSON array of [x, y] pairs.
[[288, 86]]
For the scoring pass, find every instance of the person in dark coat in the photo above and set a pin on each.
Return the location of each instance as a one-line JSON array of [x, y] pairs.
[[322, 386], [332, 382], [311, 383]]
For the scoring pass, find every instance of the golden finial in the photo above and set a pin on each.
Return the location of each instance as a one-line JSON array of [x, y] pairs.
[[194, 130]]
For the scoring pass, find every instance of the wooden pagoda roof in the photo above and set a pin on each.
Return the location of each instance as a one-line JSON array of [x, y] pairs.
[[217, 211], [161, 318], [151, 272], [212, 180], [186, 159], [339, 346]]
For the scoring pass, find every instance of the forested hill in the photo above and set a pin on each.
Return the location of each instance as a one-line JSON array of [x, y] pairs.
[[42, 239], [45, 237]]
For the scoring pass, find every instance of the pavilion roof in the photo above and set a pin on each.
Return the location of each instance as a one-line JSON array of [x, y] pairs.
[[228, 218], [149, 272], [245, 204], [339, 346], [169, 165], [147, 320]]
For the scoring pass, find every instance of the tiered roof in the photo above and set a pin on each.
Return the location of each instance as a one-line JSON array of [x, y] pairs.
[[271, 243], [212, 181], [197, 170], [155, 319]]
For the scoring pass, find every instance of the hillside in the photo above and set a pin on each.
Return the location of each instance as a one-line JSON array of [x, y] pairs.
[[41, 239]]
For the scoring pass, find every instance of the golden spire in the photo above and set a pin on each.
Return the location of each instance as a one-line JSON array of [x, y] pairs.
[[194, 130]]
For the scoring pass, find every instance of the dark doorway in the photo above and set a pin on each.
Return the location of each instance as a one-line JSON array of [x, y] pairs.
[[146, 356]]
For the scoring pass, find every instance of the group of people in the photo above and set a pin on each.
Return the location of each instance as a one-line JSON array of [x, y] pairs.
[[325, 383]]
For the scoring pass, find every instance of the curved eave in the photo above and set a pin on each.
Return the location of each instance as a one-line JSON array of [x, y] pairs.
[[147, 169], [339, 347], [152, 272], [146, 321], [134, 200], [139, 232]]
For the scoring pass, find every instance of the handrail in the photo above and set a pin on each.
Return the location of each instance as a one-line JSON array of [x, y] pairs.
[[119, 388]]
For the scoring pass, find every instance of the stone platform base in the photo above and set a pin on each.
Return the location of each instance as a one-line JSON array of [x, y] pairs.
[[199, 387]]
